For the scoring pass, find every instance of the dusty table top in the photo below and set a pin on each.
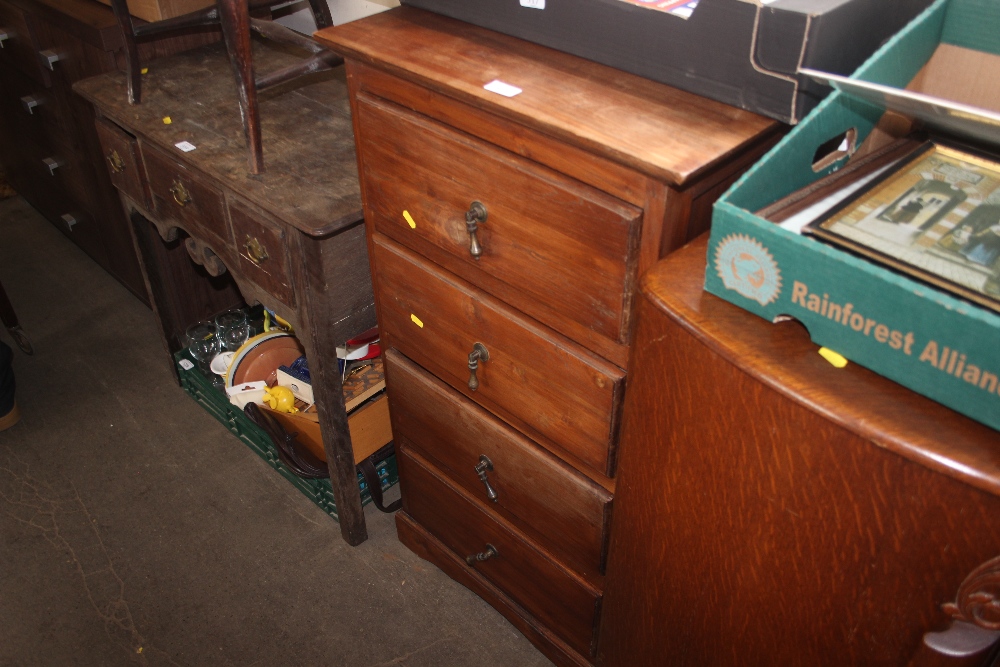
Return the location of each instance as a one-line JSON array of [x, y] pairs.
[[311, 175]]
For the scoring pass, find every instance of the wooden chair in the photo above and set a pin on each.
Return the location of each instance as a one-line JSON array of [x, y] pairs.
[[234, 18]]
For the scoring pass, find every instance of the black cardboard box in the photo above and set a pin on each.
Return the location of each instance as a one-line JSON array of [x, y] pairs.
[[740, 52]]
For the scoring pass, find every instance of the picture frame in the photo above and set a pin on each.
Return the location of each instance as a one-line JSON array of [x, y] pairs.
[[934, 216]]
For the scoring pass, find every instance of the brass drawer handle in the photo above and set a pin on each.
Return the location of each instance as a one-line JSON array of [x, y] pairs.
[[256, 252], [180, 193], [117, 163], [479, 353], [491, 552], [484, 466], [475, 216]]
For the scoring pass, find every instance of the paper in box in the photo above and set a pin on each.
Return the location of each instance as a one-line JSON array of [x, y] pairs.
[[921, 337], [746, 53]]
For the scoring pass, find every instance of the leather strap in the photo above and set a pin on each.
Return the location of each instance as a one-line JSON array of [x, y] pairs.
[[367, 468]]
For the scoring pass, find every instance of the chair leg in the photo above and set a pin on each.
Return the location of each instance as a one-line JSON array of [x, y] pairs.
[[235, 19], [321, 13], [133, 70]]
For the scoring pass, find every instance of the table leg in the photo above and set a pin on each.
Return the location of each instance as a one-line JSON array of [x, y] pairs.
[[333, 283]]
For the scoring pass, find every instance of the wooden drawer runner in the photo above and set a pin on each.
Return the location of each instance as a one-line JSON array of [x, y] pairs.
[[534, 379], [121, 157], [180, 195], [557, 241], [557, 506], [560, 601], [263, 250]]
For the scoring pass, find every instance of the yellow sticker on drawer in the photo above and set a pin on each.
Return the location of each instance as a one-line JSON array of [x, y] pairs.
[[416, 320], [409, 220]]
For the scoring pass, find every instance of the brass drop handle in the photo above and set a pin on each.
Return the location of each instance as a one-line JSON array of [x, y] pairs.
[[484, 466], [180, 193], [256, 251], [479, 353], [475, 216], [491, 552], [116, 162]]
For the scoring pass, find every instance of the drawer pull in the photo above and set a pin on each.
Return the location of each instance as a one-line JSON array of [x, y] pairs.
[[256, 252], [484, 466], [50, 57], [475, 216], [479, 353], [53, 163], [4, 36], [116, 162], [491, 552], [70, 220], [30, 103], [180, 193]]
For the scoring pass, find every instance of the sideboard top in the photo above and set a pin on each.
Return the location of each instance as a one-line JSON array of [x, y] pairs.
[[311, 175], [657, 129], [783, 357]]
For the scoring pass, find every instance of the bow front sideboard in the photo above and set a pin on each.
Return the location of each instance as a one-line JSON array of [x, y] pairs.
[[210, 235]]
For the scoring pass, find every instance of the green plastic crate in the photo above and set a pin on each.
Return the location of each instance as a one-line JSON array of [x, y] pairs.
[[217, 404]]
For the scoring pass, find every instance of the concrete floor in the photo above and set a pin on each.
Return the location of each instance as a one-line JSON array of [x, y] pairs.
[[134, 529]]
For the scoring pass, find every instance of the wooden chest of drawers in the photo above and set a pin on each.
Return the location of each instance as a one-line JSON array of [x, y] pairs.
[[506, 236], [50, 150]]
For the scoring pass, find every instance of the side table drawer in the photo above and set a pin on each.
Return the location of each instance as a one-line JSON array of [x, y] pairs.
[[532, 378], [121, 157], [263, 250], [559, 242], [560, 601], [178, 193], [557, 506]]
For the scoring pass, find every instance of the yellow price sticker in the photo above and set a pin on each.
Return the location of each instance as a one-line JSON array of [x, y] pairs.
[[166, 120], [409, 220], [416, 320], [836, 360]]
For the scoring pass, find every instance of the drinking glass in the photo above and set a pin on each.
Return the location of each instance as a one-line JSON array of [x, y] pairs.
[[203, 344], [234, 329]]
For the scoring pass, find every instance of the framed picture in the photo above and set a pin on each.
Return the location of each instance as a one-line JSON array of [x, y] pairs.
[[935, 216]]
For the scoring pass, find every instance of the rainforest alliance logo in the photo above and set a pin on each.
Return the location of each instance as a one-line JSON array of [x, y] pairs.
[[746, 267]]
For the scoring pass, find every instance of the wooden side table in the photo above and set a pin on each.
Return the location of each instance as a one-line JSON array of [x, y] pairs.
[[292, 238], [773, 510]]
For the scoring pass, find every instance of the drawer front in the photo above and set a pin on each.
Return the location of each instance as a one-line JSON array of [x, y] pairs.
[[556, 506], [121, 157], [545, 385], [178, 193], [36, 110], [263, 250], [20, 44], [553, 239], [559, 601]]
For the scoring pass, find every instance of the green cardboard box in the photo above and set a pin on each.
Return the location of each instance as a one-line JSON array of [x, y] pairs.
[[919, 336]]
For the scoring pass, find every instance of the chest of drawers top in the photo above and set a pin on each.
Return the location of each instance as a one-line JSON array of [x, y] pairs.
[[654, 129]]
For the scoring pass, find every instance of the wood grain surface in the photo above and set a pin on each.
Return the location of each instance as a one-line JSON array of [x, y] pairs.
[[548, 387], [771, 509], [311, 181], [669, 134], [557, 506]]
